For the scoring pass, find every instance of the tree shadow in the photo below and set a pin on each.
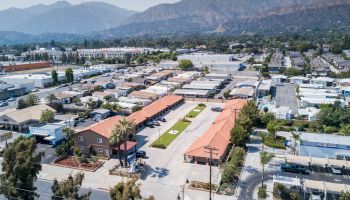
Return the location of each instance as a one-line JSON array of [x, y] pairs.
[[155, 172]]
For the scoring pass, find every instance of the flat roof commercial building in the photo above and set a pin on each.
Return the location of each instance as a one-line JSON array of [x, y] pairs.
[[324, 146], [192, 93], [217, 136]]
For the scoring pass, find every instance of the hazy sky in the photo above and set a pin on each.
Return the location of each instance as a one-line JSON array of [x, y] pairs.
[[138, 5]]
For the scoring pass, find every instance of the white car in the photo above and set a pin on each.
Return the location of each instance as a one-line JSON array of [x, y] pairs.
[[35, 90], [316, 195], [336, 170]]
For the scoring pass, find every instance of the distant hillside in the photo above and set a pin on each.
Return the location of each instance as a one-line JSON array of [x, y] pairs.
[[327, 18], [63, 17], [209, 15]]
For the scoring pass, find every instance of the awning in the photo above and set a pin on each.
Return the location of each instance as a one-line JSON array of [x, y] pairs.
[[41, 134], [50, 138], [129, 145]]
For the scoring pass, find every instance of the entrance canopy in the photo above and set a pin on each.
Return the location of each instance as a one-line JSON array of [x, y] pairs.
[[305, 160]]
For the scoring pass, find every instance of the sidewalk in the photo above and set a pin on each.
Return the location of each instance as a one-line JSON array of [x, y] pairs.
[[251, 174]]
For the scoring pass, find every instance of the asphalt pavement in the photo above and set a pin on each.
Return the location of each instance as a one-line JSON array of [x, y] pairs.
[[44, 190]]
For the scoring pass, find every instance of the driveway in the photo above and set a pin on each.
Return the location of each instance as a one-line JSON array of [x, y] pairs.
[[49, 153]]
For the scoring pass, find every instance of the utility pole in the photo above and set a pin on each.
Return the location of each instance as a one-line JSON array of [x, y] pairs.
[[212, 151]]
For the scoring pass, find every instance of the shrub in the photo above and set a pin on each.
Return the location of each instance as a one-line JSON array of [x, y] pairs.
[[262, 192], [202, 105], [270, 141], [330, 129], [84, 159]]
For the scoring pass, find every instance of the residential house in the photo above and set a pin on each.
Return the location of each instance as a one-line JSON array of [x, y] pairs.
[[96, 137]]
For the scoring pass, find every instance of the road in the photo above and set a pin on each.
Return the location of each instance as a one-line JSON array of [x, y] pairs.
[[248, 185], [44, 93], [44, 190]]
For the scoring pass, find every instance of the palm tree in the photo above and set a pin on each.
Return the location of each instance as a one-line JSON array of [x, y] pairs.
[[116, 138], [296, 137], [124, 126], [265, 158]]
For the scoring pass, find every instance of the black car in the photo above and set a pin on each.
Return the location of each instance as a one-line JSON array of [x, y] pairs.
[[293, 168], [162, 119], [140, 154], [216, 109]]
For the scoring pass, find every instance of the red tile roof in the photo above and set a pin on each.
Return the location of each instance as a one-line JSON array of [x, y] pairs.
[[218, 135], [105, 127]]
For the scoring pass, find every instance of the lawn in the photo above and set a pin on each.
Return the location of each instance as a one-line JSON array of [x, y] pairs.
[[195, 112], [164, 140]]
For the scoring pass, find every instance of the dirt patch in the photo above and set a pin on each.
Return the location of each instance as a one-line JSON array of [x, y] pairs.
[[73, 162]]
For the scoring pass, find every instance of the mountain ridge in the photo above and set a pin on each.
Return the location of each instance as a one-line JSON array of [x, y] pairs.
[[63, 17]]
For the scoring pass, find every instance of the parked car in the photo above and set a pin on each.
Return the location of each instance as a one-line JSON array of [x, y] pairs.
[[162, 119], [336, 170], [156, 123], [11, 99], [150, 124], [140, 154], [293, 168], [216, 109], [316, 195], [35, 90], [2, 104]]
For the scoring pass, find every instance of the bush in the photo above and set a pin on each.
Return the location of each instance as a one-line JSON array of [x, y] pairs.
[[269, 141], [202, 105], [262, 192], [330, 129], [77, 152], [84, 159], [233, 167]]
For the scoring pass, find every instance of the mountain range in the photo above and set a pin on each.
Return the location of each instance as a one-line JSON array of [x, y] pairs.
[[101, 20], [63, 17]]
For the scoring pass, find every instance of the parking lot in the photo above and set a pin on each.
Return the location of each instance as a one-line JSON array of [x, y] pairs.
[[316, 173], [167, 171]]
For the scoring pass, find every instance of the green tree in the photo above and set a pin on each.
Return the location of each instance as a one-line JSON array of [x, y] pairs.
[[21, 104], [136, 108], [264, 159], [54, 76], [185, 64], [66, 147], [344, 195], [125, 126], [273, 127], [267, 118], [239, 136], [47, 116], [32, 100], [126, 191], [252, 112], [69, 188], [117, 138], [69, 75], [20, 166], [291, 71], [52, 98], [227, 94]]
